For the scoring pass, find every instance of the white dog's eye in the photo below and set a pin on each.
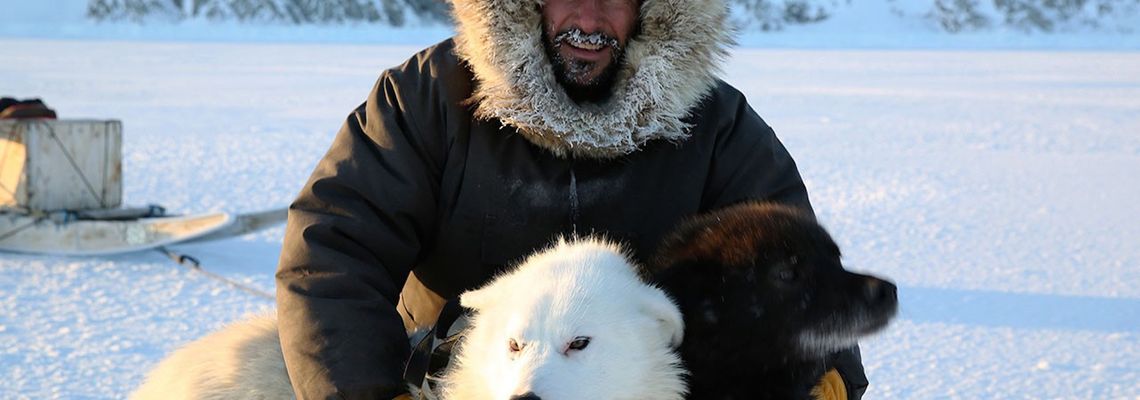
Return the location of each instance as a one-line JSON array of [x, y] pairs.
[[579, 343], [514, 346]]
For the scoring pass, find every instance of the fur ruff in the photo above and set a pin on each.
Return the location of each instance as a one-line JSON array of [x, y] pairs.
[[669, 67]]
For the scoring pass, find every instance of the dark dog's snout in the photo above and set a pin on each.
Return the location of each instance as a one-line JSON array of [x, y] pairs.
[[528, 396], [878, 291]]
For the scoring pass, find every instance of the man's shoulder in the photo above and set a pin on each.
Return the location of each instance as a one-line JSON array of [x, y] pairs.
[[442, 52], [434, 68], [723, 93], [433, 60], [722, 101]]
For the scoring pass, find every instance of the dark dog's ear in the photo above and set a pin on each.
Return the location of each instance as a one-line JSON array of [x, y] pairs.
[[673, 247]]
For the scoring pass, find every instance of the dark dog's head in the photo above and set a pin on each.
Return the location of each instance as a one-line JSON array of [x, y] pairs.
[[767, 279]]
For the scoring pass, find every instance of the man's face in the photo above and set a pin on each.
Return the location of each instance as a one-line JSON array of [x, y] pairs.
[[585, 40]]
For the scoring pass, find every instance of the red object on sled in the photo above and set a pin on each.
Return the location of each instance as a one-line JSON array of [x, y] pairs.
[[11, 108]]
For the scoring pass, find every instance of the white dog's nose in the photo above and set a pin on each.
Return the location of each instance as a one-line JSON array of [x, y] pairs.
[[527, 396]]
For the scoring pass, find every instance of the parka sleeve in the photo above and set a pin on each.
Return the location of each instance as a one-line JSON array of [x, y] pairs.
[[353, 234], [752, 164]]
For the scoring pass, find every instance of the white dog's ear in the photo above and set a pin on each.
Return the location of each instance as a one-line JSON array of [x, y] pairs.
[[661, 308], [480, 298], [485, 296]]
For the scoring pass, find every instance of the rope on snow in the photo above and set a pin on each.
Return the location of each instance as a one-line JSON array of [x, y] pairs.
[[194, 265]]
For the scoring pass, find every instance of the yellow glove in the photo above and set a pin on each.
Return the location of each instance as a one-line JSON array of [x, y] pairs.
[[830, 387]]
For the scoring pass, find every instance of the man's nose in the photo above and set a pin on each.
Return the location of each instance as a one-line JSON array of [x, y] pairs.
[[590, 16]]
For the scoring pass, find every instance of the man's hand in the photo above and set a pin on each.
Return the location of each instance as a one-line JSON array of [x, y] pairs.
[[830, 387], [404, 397]]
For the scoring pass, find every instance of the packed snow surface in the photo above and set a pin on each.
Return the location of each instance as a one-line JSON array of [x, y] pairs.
[[997, 188]]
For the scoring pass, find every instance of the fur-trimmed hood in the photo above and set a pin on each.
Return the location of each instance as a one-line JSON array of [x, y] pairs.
[[669, 66]]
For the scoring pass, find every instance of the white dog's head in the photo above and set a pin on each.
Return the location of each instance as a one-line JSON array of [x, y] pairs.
[[572, 322]]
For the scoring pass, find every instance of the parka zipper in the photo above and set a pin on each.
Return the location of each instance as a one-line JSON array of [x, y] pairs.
[[573, 199]]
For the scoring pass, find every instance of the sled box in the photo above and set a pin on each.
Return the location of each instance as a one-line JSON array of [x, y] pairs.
[[50, 165]]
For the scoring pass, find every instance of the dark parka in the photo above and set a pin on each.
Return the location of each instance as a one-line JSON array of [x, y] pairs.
[[426, 193]]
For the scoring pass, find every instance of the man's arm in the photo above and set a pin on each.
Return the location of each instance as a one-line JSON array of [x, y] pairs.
[[752, 164], [849, 364], [354, 233]]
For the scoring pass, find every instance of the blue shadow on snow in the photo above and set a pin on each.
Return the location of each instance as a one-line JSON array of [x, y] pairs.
[[1019, 310]]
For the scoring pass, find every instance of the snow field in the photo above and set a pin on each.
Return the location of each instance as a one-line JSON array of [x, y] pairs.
[[997, 188]]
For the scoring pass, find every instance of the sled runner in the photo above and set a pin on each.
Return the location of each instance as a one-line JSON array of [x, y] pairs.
[[245, 223], [73, 233], [59, 234], [61, 193]]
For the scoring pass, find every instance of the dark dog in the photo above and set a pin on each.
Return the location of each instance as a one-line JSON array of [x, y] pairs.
[[766, 301]]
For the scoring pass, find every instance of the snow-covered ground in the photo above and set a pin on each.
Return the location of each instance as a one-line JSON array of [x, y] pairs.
[[998, 188]]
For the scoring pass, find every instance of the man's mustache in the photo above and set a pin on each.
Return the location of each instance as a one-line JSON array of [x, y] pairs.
[[575, 37]]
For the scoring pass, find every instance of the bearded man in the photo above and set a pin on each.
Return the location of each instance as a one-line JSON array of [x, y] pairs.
[[538, 119]]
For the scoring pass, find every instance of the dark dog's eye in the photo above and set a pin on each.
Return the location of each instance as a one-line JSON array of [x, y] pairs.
[[786, 275], [514, 346], [579, 343]]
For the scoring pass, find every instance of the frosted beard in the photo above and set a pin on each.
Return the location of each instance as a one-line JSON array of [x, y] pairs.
[[571, 73]]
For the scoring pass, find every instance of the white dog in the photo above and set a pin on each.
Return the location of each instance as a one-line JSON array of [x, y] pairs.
[[572, 322]]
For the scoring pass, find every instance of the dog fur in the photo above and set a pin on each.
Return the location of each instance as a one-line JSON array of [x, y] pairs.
[[574, 290], [240, 361], [520, 344], [766, 301]]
